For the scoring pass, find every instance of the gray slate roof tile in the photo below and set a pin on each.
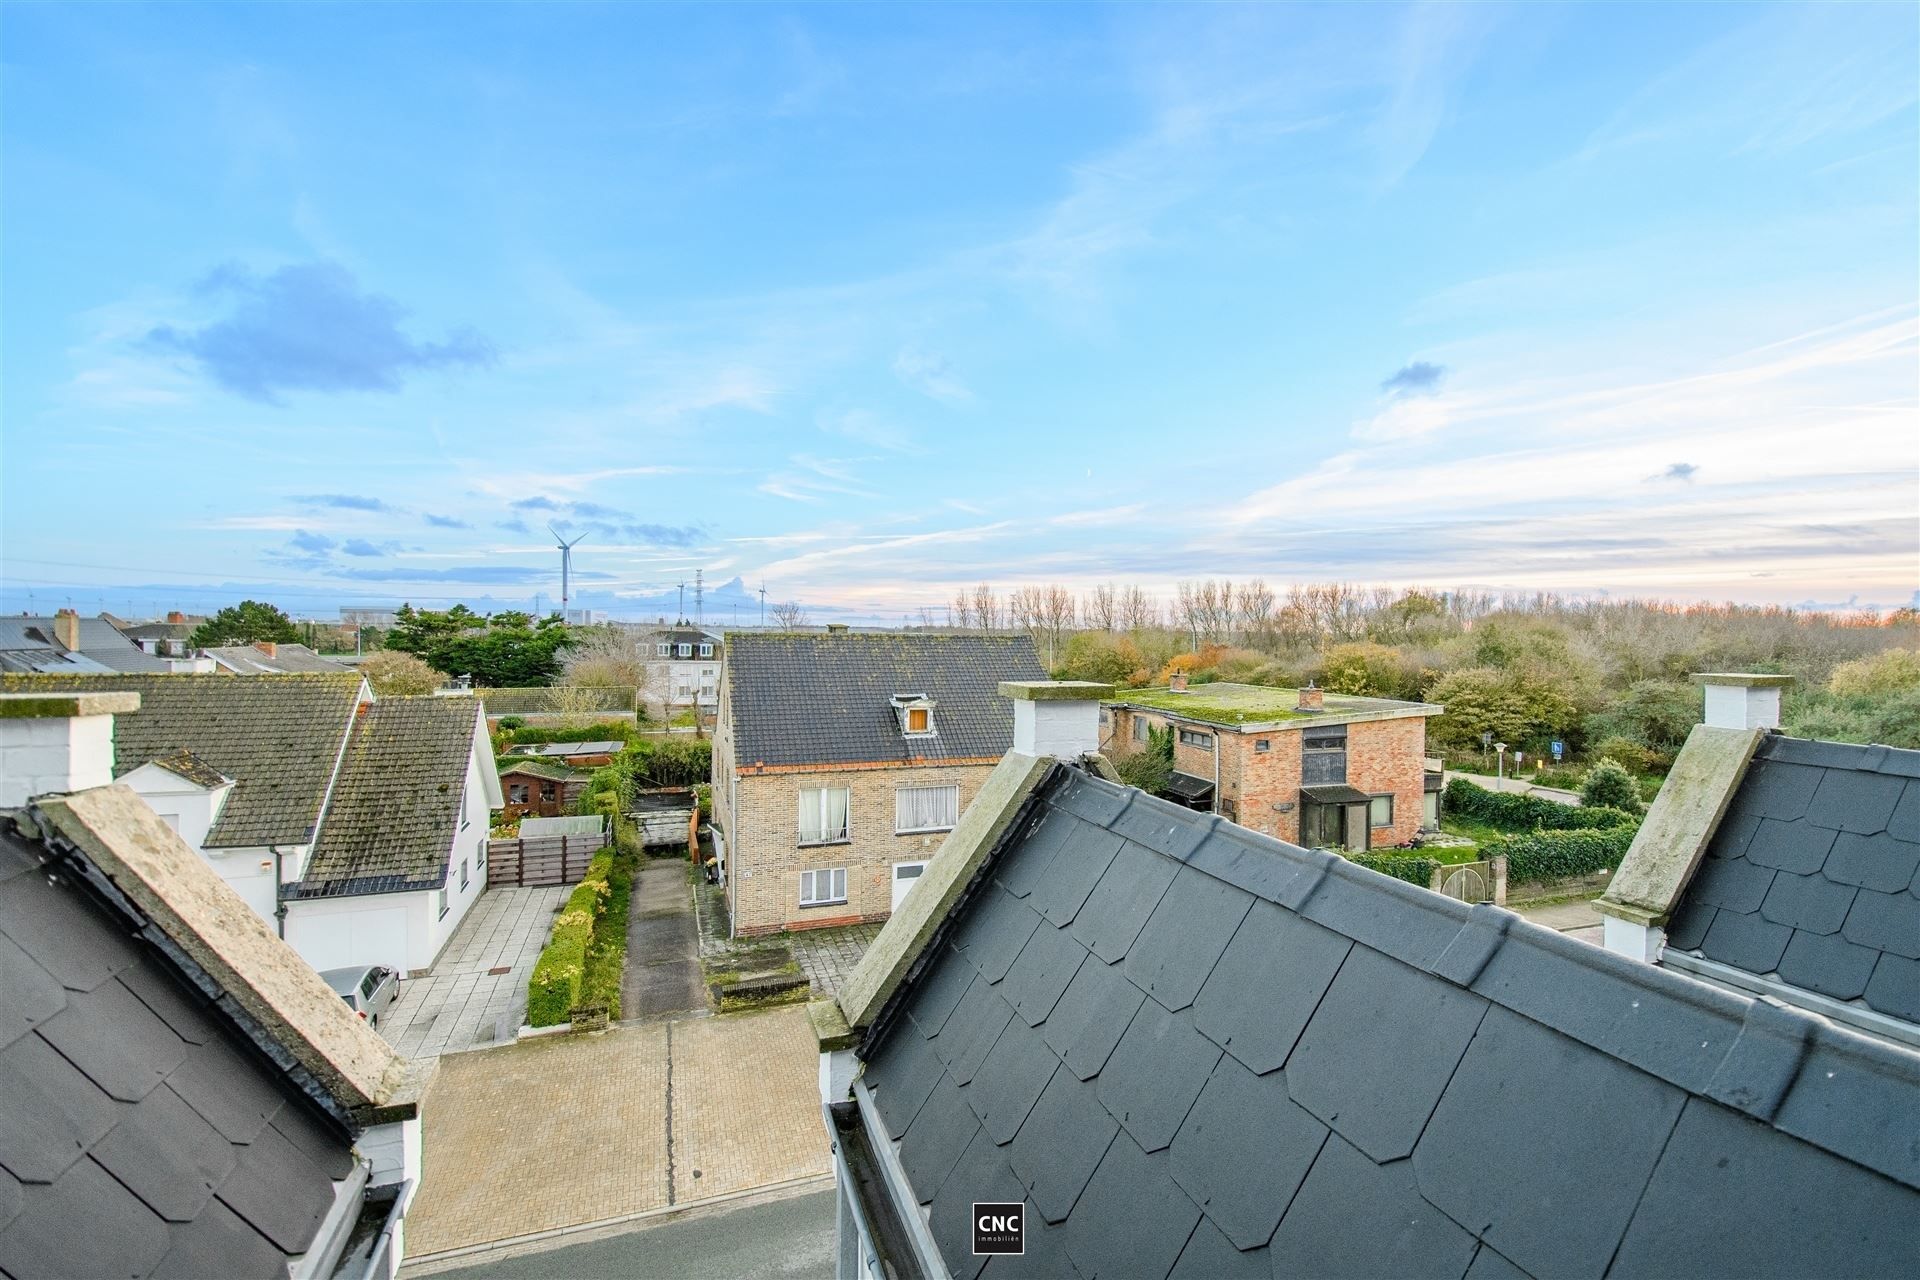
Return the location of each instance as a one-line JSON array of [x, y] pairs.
[[1388, 1229], [1810, 904], [1243, 1009], [32, 994], [938, 1136], [1855, 800], [825, 698], [115, 1041], [1184, 937], [1883, 865], [1020, 871], [1062, 889], [1504, 1154], [1133, 1219], [1799, 847], [1828, 964], [168, 1156], [1734, 1197], [1155, 1073], [219, 1242], [1776, 789], [1045, 1256], [1120, 904], [1895, 987], [1347, 1011], [1061, 1144], [47, 922], [1242, 1121], [54, 1114], [1040, 976], [1379, 1052], [996, 929], [1885, 922], [84, 1224], [903, 1073], [1746, 942], [1690, 924]]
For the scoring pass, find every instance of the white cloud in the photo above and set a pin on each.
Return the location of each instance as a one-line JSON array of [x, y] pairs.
[[929, 373]]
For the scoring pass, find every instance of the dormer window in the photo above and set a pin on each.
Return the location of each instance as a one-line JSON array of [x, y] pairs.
[[916, 714], [663, 650], [686, 651]]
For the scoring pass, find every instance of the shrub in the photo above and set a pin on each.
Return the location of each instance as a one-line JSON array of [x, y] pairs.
[[1889, 671], [1636, 757], [1510, 812], [399, 675], [1414, 870], [598, 731], [511, 723], [607, 948], [1609, 784], [553, 992], [1554, 855]]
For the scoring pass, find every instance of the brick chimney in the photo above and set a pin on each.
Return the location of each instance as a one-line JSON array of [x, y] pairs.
[[175, 616], [66, 629], [1177, 682], [1742, 700], [268, 647], [54, 743], [1311, 699], [1056, 717]]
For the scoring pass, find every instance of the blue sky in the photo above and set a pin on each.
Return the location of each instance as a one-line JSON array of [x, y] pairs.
[[868, 303]]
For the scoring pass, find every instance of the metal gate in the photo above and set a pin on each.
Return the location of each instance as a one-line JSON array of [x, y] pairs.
[[1469, 882]]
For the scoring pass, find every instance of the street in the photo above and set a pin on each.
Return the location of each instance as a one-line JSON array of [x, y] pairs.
[[789, 1239]]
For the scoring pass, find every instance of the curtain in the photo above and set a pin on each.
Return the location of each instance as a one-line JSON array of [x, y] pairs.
[[823, 814], [926, 808]]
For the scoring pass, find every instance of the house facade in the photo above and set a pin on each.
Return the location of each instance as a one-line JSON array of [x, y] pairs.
[[842, 759], [1318, 769], [683, 667], [342, 821], [170, 638]]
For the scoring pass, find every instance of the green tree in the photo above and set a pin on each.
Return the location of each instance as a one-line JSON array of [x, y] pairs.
[[1654, 713], [1367, 669], [396, 674], [1609, 784], [1889, 671], [503, 651], [1519, 708], [1151, 767], [248, 622], [1096, 655]]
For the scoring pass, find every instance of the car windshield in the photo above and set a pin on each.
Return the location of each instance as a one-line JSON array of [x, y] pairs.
[[348, 997]]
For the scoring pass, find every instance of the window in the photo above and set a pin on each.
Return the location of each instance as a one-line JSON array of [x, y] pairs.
[[516, 793], [686, 651], [918, 718], [1380, 811], [440, 903], [1262, 744], [463, 873], [706, 651], [663, 650], [823, 814], [925, 809], [1323, 755], [1194, 738], [1140, 728], [547, 791], [820, 888], [480, 856]]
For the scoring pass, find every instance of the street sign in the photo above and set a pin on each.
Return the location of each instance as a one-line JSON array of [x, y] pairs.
[[1559, 749]]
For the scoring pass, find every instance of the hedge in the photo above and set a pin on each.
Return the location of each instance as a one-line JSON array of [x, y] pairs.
[[1519, 813], [607, 949], [554, 990], [1554, 855], [1411, 869]]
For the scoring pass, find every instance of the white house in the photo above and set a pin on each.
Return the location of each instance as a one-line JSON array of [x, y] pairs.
[[355, 827], [683, 667]]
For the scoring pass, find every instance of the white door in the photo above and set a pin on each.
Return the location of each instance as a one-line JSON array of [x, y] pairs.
[[905, 876]]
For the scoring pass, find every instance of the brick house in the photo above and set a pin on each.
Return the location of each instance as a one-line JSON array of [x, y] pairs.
[[1305, 766], [542, 788], [841, 760]]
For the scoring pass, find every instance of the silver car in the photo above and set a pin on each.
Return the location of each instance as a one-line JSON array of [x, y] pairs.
[[367, 989]]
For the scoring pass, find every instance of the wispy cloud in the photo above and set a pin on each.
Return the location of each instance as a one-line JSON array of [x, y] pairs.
[[309, 327], [343, 502], [445, 522], [1678, 471], [929, 373], [814, 479], [1420, 378]]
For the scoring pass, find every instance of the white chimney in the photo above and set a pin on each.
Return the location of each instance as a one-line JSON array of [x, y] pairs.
[[52, 743], [1056, 717], [1742, 700]]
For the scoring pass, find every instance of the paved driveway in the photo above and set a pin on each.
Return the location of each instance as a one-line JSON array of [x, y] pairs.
[[462, 1002], [566, 1130]]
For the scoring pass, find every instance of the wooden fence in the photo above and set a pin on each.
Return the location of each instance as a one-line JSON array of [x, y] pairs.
[[541, 859]]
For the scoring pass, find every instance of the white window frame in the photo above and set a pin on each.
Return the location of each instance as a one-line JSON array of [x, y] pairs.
[[706, 651], [817, 798], [833, 878], [904, 809], [1141, 729], [663, 650], [686, 651]]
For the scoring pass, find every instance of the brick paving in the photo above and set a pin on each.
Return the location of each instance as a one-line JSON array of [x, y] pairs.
[[460, 1004], [566, 1130], [826, 956]]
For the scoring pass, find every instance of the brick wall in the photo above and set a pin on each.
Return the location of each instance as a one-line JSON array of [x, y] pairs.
[[1387, 757], [766, 858]]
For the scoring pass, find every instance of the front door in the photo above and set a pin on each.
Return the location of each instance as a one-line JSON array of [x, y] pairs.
[[905, 876]]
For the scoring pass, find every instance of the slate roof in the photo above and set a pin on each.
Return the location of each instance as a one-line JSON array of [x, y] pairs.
[[1194, 1051], [800, 698], [396, 808], [277, 737], [247, 660], [100, 642], [144, 1136], [1813, 875]]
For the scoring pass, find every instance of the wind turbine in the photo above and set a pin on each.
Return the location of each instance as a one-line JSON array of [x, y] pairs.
[[566, 568]]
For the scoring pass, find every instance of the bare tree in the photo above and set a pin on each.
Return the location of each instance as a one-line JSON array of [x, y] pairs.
[[986, 608], [790, 615], [1025, 605], [575, 704], [1100, 608], [960, 613], [1056, 617], [1138, 610], [605, 657], [1253, 609]]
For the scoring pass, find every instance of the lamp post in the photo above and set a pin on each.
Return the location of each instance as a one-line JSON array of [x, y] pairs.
[[1500, 748]]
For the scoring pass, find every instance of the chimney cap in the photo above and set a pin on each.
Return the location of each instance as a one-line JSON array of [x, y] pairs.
[[1055, 690], [1744, 679]]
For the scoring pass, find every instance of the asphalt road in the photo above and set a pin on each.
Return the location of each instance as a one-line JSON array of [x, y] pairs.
[[663, 944], [788, 1239]]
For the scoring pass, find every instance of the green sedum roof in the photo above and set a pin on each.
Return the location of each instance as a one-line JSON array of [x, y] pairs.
[[1245, 704]]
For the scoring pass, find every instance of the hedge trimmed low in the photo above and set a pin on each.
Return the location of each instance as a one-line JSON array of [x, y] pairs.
[[1518, 813], [554, 989], [1414, 870], [1555, 855]]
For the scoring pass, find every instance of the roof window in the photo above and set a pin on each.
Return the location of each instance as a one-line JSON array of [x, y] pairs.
[[915, 711]]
